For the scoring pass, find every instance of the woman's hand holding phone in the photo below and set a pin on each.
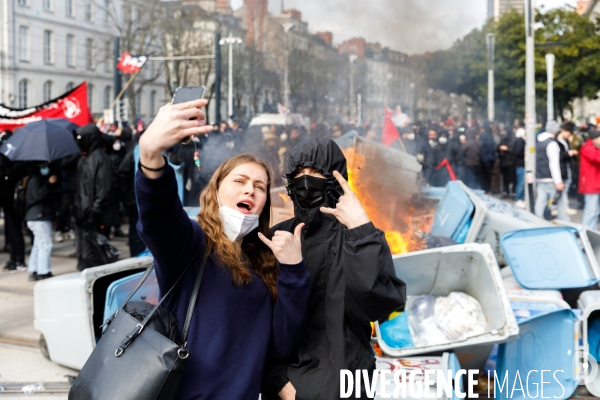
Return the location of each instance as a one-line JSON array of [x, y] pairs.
[[173, 124]]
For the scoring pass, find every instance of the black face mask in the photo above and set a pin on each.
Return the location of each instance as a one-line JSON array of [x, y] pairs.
[[308, 191]]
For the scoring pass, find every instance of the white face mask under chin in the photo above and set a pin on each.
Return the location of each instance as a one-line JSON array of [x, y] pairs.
[[236, 225]]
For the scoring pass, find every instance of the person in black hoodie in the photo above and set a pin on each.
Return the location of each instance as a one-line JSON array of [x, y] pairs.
[[351, 273], [442, 162], [93, 196], [40, 213], [506, 151]]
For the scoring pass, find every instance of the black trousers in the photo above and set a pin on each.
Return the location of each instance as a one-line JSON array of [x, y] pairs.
[[509, 176], [14, 228], [87, 253], [487, 169]]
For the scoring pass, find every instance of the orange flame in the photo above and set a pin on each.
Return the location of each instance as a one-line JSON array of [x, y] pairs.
[[398, 219]]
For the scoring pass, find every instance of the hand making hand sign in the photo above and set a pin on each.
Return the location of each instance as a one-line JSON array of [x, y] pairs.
[[348, 210], [286, 247]]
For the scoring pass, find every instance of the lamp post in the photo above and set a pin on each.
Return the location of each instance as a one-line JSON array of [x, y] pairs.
[[490, 46], [230, 40], [530, 117], [413, 101], [351, 112], [287, 27], [550, 73], [430, 91]]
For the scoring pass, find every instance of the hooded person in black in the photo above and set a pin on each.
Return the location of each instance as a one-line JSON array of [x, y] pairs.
[[93, 193], [351, 272]]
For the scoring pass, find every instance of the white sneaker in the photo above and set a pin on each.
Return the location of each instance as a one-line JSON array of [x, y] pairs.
[[58, 237], [71, 234], [521, 204], [571, 211]]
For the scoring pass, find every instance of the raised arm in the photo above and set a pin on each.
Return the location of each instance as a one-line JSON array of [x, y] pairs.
[[173, 239]]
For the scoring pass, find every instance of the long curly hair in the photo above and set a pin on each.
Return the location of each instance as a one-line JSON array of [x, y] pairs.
[[253, 253]]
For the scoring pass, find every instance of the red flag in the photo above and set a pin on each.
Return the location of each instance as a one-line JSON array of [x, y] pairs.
[[446, 164], [140, 126], [72, 105], [390, 133], [130, 64]]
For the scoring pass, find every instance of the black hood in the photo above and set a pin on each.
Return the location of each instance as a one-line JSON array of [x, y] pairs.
[[88, 138], [326, 156]]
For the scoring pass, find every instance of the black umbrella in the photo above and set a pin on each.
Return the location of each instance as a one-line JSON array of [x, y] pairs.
[[45, 140]]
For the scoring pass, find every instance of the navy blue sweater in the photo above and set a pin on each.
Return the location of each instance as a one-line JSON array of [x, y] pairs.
[[233, 327]]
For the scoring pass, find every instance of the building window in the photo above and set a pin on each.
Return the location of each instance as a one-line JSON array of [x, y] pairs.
[[88, 10], [152, 104], [90, 90], [89, 59], [23, 3], [23, 43], [107, 98], [70, 86], [47, 5], [70, 6], [106, 11], [47, 91], [23, 93], [70, 51], [107, 56], [48, 47]]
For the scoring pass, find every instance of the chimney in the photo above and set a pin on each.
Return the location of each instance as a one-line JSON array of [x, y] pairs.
[[326, 36], [294, 13], [354, 46]]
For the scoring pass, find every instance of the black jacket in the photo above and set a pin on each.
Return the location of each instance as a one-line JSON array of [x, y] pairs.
[[39, 199], [352, 283], [126, 181], [93, 194], [507, 158], [519, 151]]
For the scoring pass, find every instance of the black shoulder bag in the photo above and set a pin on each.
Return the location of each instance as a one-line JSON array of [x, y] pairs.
[[141, 355]]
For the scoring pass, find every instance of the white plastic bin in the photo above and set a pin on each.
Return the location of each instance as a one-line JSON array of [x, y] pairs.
[[469, 268], [447, 362], [69, 309], [484, 218]]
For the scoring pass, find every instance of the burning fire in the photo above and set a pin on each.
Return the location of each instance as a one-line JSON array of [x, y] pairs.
[[400, 220]]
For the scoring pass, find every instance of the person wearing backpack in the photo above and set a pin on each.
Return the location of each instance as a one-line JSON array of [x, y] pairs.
[[40, 212]]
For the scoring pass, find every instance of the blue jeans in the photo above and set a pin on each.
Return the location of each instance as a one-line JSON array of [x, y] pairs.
[[39, 259], [545, 192], [520, 184], [591, 211]]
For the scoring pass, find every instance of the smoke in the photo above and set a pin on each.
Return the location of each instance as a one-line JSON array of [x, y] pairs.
[[410, 26]]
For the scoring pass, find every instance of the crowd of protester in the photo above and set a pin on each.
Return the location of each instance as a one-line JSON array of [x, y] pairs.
[[94, 191]]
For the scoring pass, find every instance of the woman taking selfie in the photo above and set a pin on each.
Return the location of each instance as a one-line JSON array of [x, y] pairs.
[[254, 292]]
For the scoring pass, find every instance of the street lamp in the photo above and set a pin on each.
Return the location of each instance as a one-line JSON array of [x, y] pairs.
[[430, 91], [490, 46], [352, 57], [413, 101], [230, 41], [550, 73], [530, 102], [287, 27]]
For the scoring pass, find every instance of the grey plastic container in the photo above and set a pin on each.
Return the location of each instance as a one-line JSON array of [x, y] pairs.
[[470, 268], [493, 217]]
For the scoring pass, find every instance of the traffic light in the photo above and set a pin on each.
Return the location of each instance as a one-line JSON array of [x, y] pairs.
[[123, 111]]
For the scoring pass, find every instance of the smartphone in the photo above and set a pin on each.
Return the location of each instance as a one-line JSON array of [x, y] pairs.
[[188, 93]]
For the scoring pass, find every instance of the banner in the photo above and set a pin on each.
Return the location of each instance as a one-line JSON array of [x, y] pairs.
[[130, 64], [72, 105]]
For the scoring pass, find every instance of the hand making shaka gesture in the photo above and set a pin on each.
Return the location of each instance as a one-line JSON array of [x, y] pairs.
[[348, 210]]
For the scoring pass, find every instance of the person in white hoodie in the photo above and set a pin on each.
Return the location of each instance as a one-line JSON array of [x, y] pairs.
[[547, 171]]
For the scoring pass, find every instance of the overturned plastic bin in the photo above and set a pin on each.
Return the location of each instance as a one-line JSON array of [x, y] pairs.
[[550, 259], [468, 268], [447, 363], [69, 309], [469, 216]]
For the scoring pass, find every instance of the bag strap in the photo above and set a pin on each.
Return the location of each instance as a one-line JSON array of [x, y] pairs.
[[193, 298]]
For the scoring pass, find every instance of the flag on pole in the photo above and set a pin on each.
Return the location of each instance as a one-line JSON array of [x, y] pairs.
[[390, 133], [283, 110], [131, 64]]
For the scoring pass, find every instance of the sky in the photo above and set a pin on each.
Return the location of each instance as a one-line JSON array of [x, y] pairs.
[[410, 26]]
